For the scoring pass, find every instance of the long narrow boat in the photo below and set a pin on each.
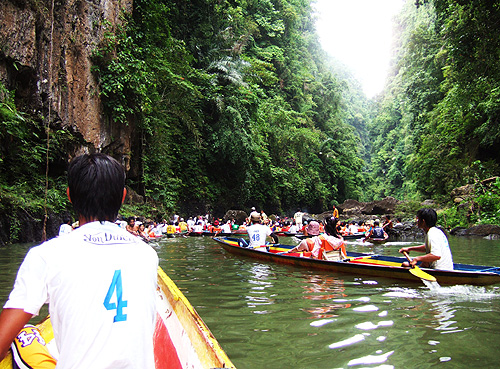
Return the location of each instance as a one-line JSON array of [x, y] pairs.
[[367, 264], [181, 338]]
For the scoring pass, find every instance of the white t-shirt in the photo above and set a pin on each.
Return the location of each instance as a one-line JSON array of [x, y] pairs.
[[437, 244], [100, 282], [257, 234], [65, 228], [226, 228], [353, 228]]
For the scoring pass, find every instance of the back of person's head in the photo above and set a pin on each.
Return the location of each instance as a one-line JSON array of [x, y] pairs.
[[96, 183], [376, 223], [255, 217], [331, 226], [429, 215]]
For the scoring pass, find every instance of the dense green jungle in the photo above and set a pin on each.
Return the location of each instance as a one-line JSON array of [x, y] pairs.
[[237, 105]]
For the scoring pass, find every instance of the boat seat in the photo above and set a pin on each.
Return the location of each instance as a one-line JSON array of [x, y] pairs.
[[335, 255]]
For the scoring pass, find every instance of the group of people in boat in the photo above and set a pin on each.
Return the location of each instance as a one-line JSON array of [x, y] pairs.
[[326, 238]]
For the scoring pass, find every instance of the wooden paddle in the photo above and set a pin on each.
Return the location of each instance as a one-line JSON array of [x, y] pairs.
[[417, 272]]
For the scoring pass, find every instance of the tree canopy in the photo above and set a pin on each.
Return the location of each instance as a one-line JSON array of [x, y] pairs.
[[237, 105]]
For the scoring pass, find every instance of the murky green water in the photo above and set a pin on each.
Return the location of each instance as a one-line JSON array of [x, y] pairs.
[[273, 316]]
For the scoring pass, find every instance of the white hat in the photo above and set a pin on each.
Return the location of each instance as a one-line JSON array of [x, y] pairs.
[[254, 216]]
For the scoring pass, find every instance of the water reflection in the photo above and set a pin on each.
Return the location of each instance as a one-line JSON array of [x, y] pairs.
[[260, 281], [323, 289], [273, 316]]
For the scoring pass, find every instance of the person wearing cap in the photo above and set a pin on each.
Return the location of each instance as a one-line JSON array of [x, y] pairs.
[[258, 233], [319, 245]]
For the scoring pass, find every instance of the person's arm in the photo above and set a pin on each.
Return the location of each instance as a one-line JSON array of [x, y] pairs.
[[302, 246], [369, 234], [419, 248], [11, 322], [427, 258]]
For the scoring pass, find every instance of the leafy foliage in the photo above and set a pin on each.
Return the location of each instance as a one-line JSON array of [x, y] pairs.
[[436, 124], [234, 102]]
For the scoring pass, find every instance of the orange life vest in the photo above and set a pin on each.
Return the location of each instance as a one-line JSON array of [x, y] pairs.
[[324, 247]]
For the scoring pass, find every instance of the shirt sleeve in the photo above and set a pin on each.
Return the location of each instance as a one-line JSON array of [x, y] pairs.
[[30, 290]]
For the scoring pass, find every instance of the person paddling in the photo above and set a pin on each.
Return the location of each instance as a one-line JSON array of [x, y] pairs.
[[376, 232], [436, 246]]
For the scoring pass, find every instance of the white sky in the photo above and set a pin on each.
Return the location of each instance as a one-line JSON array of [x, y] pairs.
[[359, 34]]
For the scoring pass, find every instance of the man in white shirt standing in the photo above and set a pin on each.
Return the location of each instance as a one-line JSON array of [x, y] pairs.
[[258, 232], [99, 280], [298, 219]]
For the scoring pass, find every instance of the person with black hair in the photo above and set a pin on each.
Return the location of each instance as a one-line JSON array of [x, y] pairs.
[[436, 247], [321, 245], [99, 280], [132, 227], [376, 232]]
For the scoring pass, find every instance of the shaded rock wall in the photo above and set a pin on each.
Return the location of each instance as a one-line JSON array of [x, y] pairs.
[[45, 49]]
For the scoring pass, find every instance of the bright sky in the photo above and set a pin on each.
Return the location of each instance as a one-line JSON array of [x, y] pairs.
[[359, 34]]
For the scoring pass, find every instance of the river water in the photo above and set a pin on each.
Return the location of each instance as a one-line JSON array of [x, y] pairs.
[[274, 316]]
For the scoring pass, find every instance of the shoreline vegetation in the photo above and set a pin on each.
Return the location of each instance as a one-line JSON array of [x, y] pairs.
[[23, 222], [220, 105]]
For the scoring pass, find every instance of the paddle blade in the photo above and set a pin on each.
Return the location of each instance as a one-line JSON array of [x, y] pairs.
[[417, 272]]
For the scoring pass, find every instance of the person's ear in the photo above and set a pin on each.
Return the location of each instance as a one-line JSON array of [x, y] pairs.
[[124, 194], [67, 193]]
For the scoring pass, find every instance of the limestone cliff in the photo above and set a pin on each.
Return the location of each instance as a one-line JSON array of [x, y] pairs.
[[45, 56]]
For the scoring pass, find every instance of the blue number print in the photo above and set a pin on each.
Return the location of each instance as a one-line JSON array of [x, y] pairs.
[[116, 285], [256, 237]]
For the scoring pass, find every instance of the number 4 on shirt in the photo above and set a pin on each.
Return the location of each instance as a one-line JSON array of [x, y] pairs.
[[116, 286]]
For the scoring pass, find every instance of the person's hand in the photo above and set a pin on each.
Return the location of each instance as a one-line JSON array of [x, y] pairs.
[[404, 249]]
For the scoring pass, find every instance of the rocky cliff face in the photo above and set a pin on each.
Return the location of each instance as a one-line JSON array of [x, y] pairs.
[[45, 49]]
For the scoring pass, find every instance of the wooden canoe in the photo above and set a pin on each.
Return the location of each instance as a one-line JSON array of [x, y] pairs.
[[181, 338], [367, 264], [353, 236]]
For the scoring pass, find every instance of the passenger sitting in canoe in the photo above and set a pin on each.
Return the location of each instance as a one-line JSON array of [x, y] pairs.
[[142, 233], [376, 232], [436, 247], [320, 245], [226, 228], [258, 233], [73, 272], [171, 228], [183, 227], [131, 226], [293, 228], [353, 228]]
